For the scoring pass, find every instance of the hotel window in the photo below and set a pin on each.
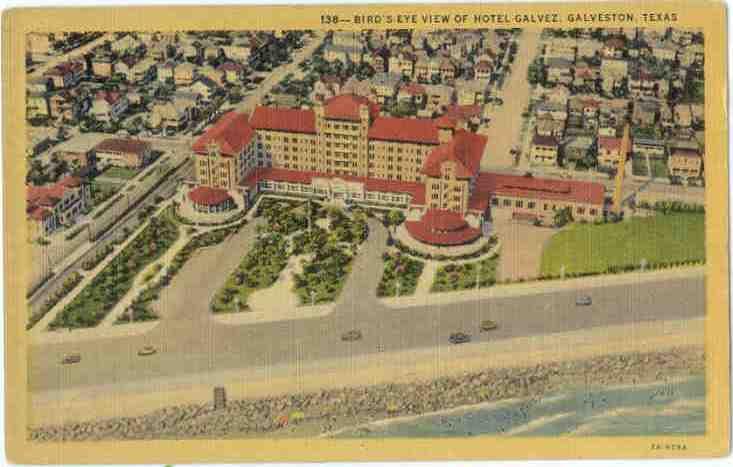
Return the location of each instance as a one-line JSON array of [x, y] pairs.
[[593, 212], [531, 205], [495, 202], [507, 202], [519, 204], [581, 210]]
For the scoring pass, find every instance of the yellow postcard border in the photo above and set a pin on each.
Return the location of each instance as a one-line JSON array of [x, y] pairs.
[[16, 22]]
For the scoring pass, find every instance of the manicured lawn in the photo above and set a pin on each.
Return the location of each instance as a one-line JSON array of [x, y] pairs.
[[122, 173], [259, 270], [402, 268], [97, 299], [594, 248], [463, 276]]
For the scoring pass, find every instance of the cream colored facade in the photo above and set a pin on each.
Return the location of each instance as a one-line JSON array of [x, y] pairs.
[[222, 171], [447, 192]]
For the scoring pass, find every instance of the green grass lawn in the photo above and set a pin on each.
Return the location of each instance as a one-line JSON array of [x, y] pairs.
[[122, 173], [594, 248], [659, 168], [102, 191]]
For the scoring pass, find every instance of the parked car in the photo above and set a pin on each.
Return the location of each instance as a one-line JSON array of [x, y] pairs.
[[70, 359], [583, 300], [459, 338], [488, 325], [147, 350], [351, 336]]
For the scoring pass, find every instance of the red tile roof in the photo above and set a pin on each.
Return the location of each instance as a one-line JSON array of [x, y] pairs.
[[231, 133], [609, 143], [439, 219], [110, 97], [283, 119], [48, 196], [490, 184], [67, 67], [346, 107], [465, 149], [413, 89], [406, 130], [230, 66], [443, 228], [464, 112], [124, 145], [38, 213], [207, 196]]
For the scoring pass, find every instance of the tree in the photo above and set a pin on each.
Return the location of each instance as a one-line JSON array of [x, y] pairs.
[[563, 217], [395, 217]]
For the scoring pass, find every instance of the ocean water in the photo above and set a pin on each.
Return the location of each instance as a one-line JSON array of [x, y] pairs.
[[662, 408]]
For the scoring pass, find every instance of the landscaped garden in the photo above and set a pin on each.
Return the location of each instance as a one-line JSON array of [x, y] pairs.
[[328, 236], [464, 276], [102, 191], [260, 269], [99, 297], [399, 269], [662, 240]]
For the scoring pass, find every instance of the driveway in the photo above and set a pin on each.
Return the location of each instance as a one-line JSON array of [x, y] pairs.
[[521, 249]]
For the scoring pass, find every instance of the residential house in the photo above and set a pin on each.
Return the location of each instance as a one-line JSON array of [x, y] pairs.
[[414, 93], [174, 115], [684, 161], [109, 105], [482, 70], [127, 44], [439, 96], [663, 50], [559, 70], [333, 53], [232, 71], [560, 48], [547, 126], [184, 74], [402, 63], [683, 115], [471, 92], [65, 74], [385, 85], [588, 48], [613, 47], [103, 65], [645, 113], [166, 71], [326, 87], [648, 147], [36, 105], [544, 150], [609, 152], [50, 206], [122, 152]]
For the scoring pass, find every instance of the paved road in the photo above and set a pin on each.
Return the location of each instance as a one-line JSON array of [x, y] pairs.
[[191, 343], [504, 130], [76, 53]]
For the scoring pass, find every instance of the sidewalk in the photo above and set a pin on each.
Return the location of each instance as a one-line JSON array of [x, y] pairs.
[[540, 287]]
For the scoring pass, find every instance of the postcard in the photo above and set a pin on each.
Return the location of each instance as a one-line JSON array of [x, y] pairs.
[[366, 232]]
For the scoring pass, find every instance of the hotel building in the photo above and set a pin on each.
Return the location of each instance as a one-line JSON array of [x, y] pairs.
[[344, 149]]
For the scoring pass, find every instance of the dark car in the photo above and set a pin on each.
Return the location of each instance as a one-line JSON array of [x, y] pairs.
[[459, 338], [351, 336], [70, 359], [584, 300]]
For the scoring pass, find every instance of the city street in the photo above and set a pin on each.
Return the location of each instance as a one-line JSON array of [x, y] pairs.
[[191, 343], [504, 131]]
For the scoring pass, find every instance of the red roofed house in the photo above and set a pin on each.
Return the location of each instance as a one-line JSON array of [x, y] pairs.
[[343, 149], [609, 151], [50, 206]]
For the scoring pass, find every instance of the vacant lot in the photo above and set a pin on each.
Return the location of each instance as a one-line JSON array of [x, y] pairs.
[[663, 238]]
